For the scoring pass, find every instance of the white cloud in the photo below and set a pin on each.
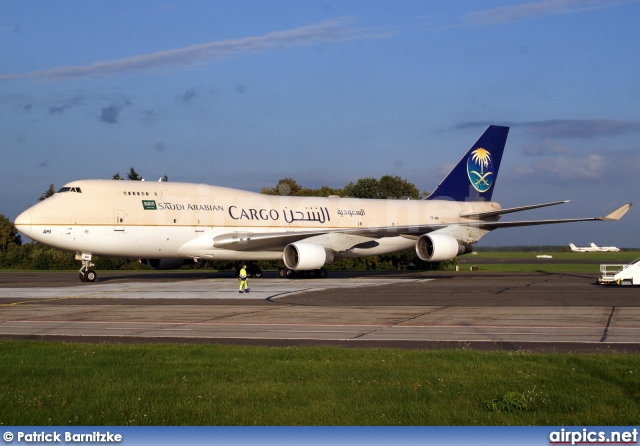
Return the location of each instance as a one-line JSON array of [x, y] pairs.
[[335, 30], [591, 167], [532, 10], [580, 128], [567, 128], [575, 168], [544, 148]]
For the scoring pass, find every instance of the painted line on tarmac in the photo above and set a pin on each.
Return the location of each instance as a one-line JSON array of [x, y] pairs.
[[293, 324], [35, 301], [364, 285], [201, 289]]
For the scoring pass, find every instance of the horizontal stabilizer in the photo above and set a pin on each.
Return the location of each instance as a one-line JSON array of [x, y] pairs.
[[482, 215]]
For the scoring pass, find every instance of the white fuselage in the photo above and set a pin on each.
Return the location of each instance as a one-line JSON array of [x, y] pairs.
[[133, 219]]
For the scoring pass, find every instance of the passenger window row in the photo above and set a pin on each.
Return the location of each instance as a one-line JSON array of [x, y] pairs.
[[140, 193], [79, 191]]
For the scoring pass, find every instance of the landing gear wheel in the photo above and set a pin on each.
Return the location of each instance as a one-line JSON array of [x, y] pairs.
[[289, 273], [258, 273], [323, 273], [281, 273], [90, 276]]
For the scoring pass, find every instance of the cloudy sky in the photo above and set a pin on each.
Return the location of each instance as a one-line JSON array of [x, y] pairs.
[[244, 93]]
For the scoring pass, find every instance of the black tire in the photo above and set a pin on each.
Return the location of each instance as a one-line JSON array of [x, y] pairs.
[[322, 273], [281, 273], [258, 273], [82, 276], [312, 274], [289, 273], [91, 276]]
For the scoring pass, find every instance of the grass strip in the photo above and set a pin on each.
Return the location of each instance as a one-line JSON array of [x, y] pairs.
[[549, 268], [112, 384]]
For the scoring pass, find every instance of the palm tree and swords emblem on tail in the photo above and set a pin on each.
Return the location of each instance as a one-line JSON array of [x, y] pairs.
[[480, 169]]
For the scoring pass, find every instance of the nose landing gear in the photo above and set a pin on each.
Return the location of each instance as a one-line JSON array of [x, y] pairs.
[[86, 273]]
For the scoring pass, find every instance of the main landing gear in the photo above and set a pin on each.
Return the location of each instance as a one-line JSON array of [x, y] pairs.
[[286, 273], [86, 273]]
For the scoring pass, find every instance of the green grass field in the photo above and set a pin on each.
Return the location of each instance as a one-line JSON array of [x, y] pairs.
[[561, 262], [567, 257], [107, 384]]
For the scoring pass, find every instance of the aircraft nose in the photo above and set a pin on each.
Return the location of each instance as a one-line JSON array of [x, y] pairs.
[[23, 223]]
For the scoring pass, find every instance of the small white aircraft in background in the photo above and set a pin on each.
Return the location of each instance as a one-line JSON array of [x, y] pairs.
[[163, 224], [575, 248], [604, 248], [593, 248]]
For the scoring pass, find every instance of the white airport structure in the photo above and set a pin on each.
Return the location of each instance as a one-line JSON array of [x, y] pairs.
[[615, 274]]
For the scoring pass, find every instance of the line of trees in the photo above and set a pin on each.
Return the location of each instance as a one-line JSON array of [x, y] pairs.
[[387, 187], [33, 255]]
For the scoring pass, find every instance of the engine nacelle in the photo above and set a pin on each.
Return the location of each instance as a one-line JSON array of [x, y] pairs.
[[163, 263], [440, 247], [302, 256]]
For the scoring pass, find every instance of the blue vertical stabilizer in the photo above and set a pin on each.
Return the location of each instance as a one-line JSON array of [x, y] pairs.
[[474, 177]]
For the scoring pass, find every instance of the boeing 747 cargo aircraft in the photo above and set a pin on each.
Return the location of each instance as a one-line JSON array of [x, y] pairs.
[[164, 224]]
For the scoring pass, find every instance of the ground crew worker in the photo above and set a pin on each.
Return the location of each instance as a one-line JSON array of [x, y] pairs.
[[243, 280]]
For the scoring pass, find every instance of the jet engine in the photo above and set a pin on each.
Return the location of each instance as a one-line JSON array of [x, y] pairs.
[[440, 247], [163, 263], [303, 256]]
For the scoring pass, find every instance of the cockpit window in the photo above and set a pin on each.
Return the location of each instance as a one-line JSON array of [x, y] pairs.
[[70, 189]]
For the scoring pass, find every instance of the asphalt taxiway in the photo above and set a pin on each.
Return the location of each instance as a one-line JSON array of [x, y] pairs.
[[540, 311]]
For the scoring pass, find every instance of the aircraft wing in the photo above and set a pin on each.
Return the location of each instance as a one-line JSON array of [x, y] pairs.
[[491, 225], [418, 230], [335, 239], [344, 239], [261, 241]]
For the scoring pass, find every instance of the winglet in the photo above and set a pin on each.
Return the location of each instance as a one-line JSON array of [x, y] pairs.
[[618, 213]]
